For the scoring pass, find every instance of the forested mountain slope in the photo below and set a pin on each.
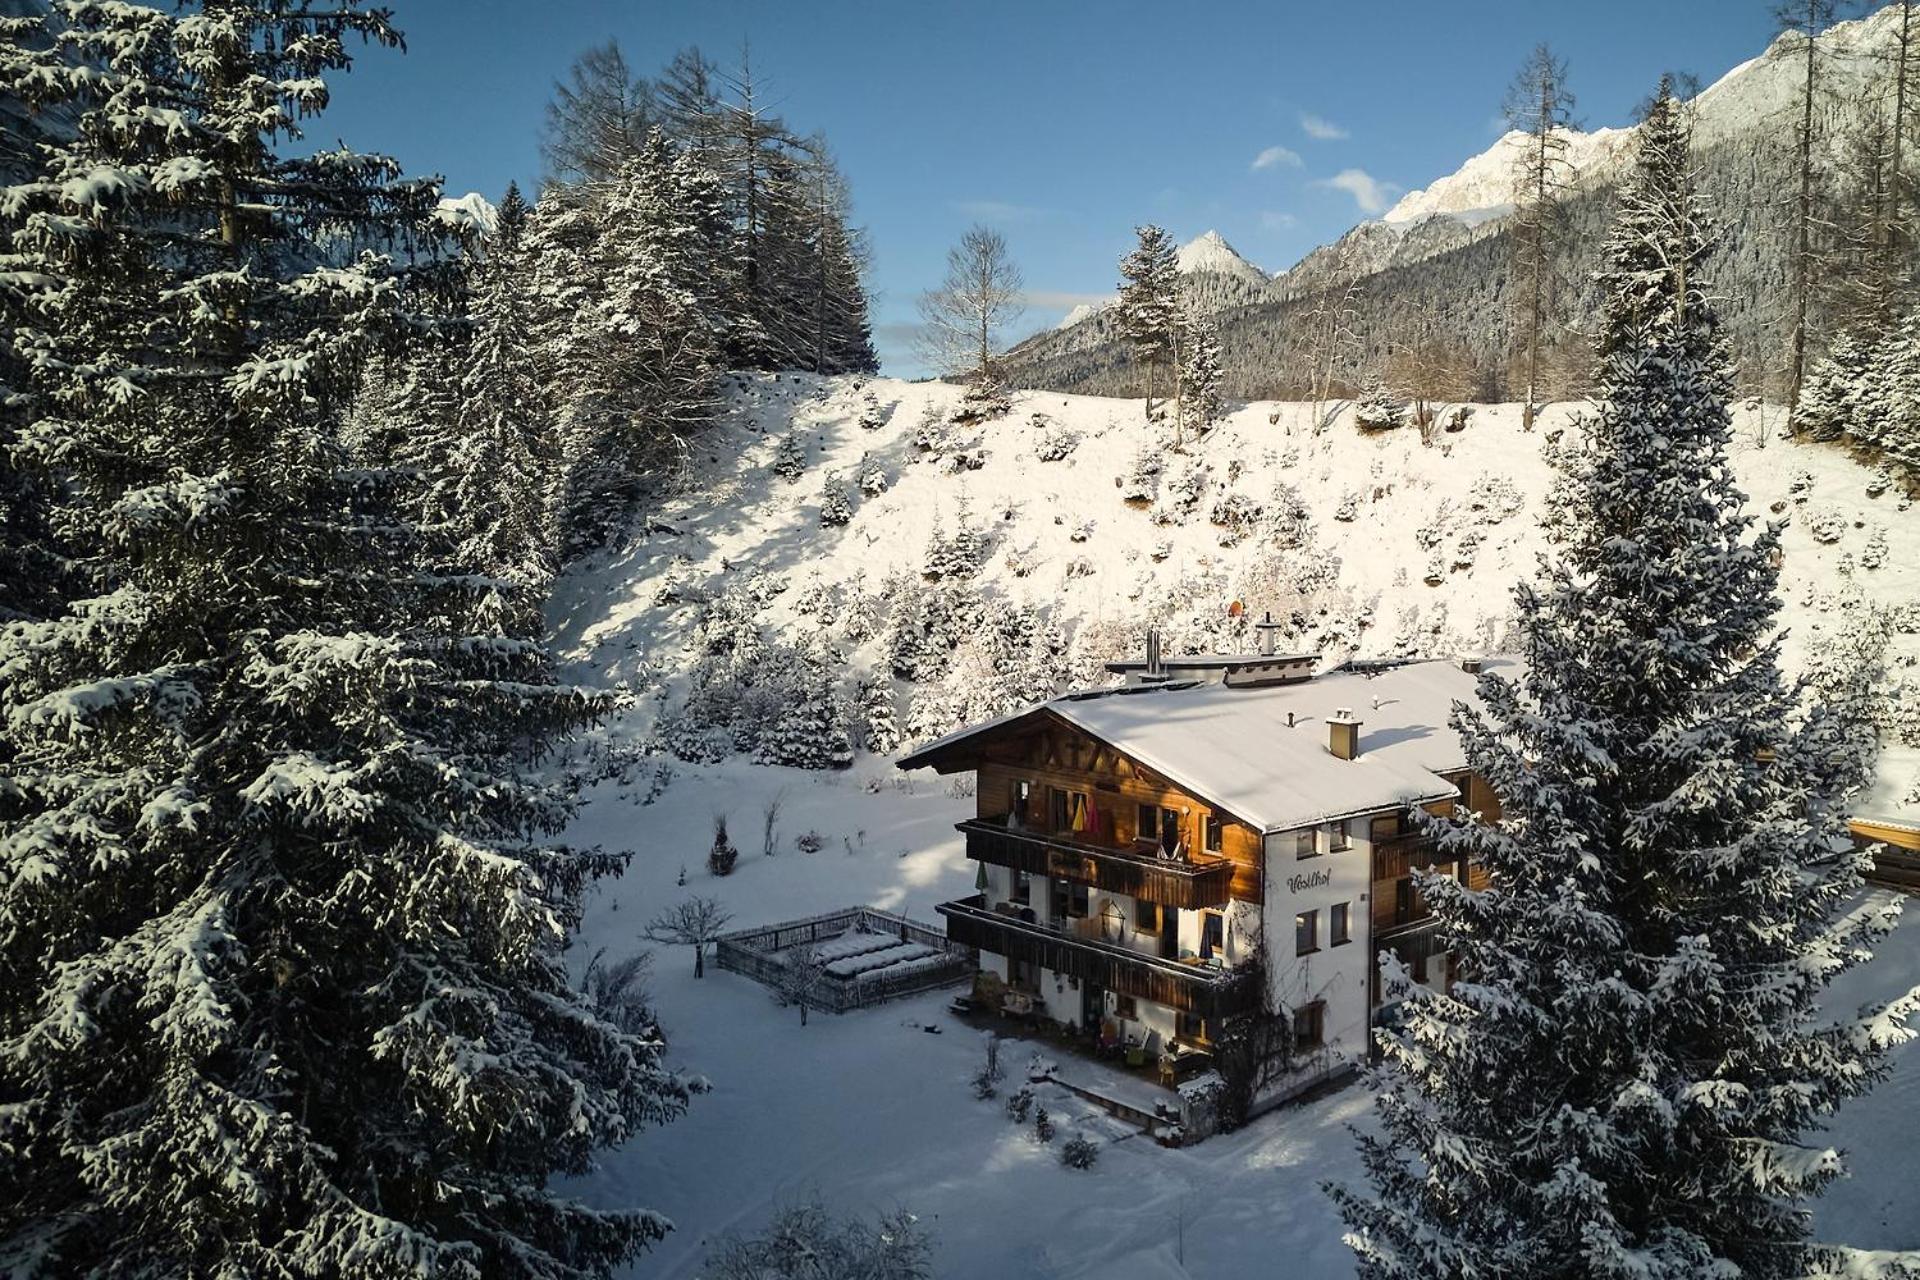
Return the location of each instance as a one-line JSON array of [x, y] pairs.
[[1438, 266]]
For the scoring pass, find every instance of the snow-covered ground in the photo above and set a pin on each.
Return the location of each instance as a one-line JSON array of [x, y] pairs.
[[869, 1109]]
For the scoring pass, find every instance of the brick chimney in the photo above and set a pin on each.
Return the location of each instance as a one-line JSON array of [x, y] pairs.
[[1343, 734]]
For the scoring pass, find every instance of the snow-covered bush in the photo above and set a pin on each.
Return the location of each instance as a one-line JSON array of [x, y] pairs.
[[835, 509], [1020, 1105], [873, 478], [1235, 515], [1082, 531], [1494, 497], [1079, 567], [983, 401], [809, 842], [1826, 525], [1874, 554], [1182, 493], [790, 461], [986, 1081], [1289, 523], [1379, 410], [1141, 482], [1800, 486], [932, 434], [957, 554], [1055, 444], [722, 856], [1079, 1153], [873, 414], [1349, 508], [1042, 1126], [806, 1242], [971, 458]]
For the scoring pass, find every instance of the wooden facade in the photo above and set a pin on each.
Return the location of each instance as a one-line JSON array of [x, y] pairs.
[[1188, 987], [1189, 885], [1053, 758]]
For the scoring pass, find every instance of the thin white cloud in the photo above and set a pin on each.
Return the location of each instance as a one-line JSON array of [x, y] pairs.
[[1275, 220], [1273, 157], [1320, 128], [1001, 211], [1371, 194]]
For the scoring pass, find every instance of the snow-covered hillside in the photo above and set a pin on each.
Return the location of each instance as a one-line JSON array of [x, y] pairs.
[[871, 1110], [1367, 544]]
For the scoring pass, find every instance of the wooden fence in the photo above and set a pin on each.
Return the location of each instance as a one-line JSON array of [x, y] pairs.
[[750, 952]]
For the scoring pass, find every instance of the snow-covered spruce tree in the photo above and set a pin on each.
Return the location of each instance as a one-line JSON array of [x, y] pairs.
[[1623, 1081], [835, 509], [278, 986], [1147, 309], [881, 724], [493, 499], [646, 357], [811, 732], [790, 459], [1200, 398], [1379, 409]]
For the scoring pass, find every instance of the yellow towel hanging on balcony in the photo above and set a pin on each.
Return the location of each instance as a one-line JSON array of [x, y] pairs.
[[1079, 812]]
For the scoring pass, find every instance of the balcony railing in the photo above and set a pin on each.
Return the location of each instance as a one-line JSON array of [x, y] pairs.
[[1193, 988], [1187, 884]]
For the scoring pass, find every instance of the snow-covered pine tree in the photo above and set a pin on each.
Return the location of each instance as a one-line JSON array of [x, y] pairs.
[[1378, 409], [278, 985], [648, 373], [1147, 309], [882, 724], [811, 732], [496, 497], [1624, 1083], [835, 509], [1200, 398], [790, 459]]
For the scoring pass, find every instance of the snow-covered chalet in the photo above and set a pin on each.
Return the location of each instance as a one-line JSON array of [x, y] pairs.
[[1139, 845]]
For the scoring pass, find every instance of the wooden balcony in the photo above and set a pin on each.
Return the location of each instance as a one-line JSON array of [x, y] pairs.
[[1184, 985], [1189, 884]]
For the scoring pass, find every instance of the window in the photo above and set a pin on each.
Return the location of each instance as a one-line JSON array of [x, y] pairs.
[[1022, 796], [1309, 1026], [1338, 839], [1337, 925], [1306, 933], [1192, 1028], [1385, 828], [1146, 821], [1022, 886], [1077, 900], [1062, 806], [1123, 1007], [1215, 835], [1402, 901], [1212, 927], [1146, 917], [1305, 844]]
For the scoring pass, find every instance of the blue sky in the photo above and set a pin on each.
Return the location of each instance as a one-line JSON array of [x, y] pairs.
[[1062, 124]]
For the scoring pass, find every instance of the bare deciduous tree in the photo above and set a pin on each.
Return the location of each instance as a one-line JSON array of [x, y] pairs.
[[1538, 106], [966, 316], [803, 971], [694, 923], [597, 119]]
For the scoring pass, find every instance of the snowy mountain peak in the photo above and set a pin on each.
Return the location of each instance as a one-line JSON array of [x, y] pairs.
[[472, 210], [1483, 186], [1211, 252]]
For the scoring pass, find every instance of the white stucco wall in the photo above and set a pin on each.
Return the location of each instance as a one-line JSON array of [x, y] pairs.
[[1337, 975]]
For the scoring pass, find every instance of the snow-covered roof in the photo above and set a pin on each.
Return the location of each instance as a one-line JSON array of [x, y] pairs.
[[1234, 749]]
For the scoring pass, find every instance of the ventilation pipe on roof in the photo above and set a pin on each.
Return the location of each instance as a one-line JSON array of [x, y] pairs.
[[1155, 672], [1268, 629], [1343, 734], [1471, 666]]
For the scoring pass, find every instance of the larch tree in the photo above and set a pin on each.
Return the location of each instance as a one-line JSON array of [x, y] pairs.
[[1148, 308], [1625, 1078], [597, 118], [280, 991], [1806, 19], [966, 318], [1539, 107]]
